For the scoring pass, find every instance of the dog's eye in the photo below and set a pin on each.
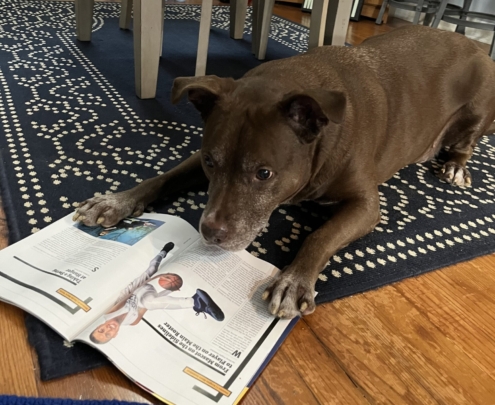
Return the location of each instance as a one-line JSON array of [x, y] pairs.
[[263, 174], [208, 161]]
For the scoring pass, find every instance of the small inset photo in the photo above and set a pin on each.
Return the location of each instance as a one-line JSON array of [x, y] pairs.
[[128, 231]]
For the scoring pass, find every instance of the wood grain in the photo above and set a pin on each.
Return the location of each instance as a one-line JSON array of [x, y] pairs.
[[4, 232], [426, 340], [302, 349], [104, 382], [17, 369], [282, 385]]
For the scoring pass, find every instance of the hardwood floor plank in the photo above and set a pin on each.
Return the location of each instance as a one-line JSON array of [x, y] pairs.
[[359, 31], [364, 354], [280, 384], [399, 355], [17, 376], [435, 361], [4, 231], [319, 370], [103, 383], [460, 303]]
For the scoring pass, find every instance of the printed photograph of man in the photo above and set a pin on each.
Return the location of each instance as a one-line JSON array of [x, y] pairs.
[[140, 296]]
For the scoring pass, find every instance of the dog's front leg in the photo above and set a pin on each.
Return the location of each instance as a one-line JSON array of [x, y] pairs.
[[292, 293], [109, 209]]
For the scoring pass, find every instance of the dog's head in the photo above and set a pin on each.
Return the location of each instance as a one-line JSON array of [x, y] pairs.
[[257, 151]]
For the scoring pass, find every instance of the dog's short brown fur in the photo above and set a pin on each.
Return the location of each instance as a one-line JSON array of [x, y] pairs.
[[329, 125]]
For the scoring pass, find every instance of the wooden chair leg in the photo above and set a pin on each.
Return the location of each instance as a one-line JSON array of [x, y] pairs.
[[379, 19], [461, 29], [84, 19], [417, 14], [428, 19], [439, 13], [256, 17], [264, 27], [147, 30], [163, 22], [204, 36], [317, 26], [492, 49], [238, 10], [125, 14], [337, 22]]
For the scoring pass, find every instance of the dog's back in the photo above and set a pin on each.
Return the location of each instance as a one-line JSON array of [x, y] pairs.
[[403, 88], [434, 81]]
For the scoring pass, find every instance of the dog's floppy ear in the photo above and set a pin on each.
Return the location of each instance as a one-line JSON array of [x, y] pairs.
[[202, 91], [309, 111]]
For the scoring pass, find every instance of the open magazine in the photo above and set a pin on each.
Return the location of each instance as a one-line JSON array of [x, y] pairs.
[[184, 320]]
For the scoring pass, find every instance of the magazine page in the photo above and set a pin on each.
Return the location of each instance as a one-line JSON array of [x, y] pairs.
[[197, 331], [68, 274]]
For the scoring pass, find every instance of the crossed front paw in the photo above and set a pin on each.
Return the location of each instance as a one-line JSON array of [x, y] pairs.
[[291, 294], [107, 210]]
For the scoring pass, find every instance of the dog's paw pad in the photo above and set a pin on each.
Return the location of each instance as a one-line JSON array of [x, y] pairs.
[[455, 174]]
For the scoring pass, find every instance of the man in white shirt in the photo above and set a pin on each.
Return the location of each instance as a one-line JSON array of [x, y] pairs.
[[142, 296]]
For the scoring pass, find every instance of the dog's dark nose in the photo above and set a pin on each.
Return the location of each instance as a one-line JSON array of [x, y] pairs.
[[213, 232]]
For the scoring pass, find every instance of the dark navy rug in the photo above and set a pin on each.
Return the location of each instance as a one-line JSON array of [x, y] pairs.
[[12, 400], [72, 127]]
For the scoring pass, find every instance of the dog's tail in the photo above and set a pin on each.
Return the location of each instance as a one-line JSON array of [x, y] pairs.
[[491, 129]]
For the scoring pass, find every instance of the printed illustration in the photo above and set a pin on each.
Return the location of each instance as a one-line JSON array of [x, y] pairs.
[[128, 231], [140, 296]]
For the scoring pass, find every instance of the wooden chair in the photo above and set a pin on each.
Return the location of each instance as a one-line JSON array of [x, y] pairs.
[[429, 7], [328, 26], [462, 17]]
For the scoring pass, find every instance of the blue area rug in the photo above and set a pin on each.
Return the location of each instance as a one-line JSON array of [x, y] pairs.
[[72, 126], [11, 400]]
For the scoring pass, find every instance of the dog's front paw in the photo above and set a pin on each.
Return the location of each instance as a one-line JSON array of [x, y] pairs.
[[455, 174], [291, 294], [108, 210]]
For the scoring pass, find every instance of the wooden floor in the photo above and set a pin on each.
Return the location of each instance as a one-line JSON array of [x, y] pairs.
[[427, 340]]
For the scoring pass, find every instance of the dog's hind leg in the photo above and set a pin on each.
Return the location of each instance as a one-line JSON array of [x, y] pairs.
[[461, 139]]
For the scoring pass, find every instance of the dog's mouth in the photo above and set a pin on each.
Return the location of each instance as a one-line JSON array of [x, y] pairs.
[[234, 244], [229, 246]]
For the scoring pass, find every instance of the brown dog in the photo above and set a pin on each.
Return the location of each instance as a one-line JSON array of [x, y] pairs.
[[329, 125]]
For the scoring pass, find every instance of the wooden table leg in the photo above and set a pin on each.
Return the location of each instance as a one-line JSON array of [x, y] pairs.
[[338, 14], [125, 14], [263, 26], [148, 18], [318, 19], [255, 23], [84, 19], [163, 22], [204, 37], [238, 9]]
